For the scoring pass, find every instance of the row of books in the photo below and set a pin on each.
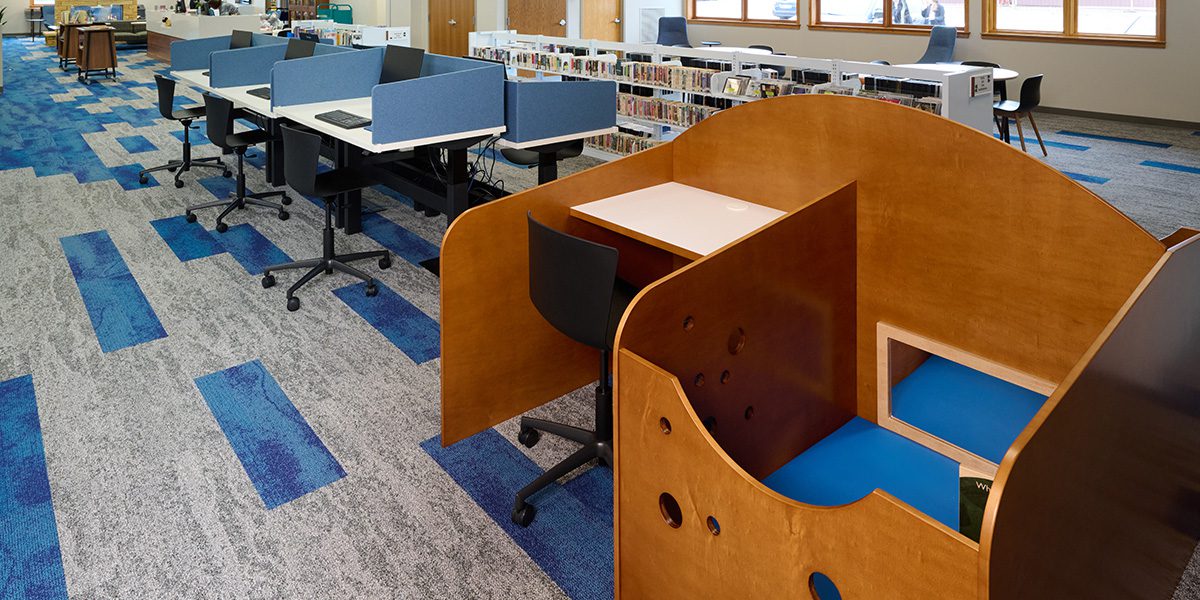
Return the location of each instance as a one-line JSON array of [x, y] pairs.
[[901, 85], [664, 111], [622, 143], [927, 104], [691, 79]]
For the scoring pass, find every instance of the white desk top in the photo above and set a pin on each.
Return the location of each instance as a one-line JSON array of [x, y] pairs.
[[237, 94], [195, 77], [306, 114], [681, 219], [503, 143]]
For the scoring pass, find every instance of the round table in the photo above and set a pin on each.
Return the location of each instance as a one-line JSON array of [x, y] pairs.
[[34, 26], [737, 49], [1004, 74]]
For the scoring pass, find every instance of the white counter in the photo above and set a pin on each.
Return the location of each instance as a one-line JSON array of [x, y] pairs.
[[192, 26]]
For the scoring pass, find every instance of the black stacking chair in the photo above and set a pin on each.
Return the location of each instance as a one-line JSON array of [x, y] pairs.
[[528, 158], [166, 107], [573, 283], [220, 132], [301, 153], [1031, 97]]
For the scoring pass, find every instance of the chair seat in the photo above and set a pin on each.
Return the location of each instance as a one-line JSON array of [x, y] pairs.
[[1006, 106], [340, 181], [194, 112], [248, 138], [623, 293]]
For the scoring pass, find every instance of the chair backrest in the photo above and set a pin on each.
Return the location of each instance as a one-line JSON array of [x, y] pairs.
[[571, 283], [218, 120], [980, 63], [301, 153], [166, 96], [941, 45], [1031, 93], [48, 14], [762, 47], [672, 31], [880, 62]]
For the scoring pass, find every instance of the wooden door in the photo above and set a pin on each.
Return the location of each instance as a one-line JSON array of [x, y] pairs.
[[602, 20], [534, 17], [450, 22]]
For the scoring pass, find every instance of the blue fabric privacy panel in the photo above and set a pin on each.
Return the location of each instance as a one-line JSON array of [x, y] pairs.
[[325, 48], [188, 55], [244, 66], [862, 456], [262, 39], [536, 110], [972, 410], [334, 76], [440, 64], [439, 104]]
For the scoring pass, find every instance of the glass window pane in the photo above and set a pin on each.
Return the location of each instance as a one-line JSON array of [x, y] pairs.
[[1029, 15], [719, 9], [771, 10], [1119, 17], [851, 11], [935, 12]]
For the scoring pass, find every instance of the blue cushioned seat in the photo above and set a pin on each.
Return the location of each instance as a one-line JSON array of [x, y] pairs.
[[972, 410]]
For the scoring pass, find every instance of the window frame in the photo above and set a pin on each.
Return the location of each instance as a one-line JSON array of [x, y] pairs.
[[1070, 33], [778, 23], [815, 22]]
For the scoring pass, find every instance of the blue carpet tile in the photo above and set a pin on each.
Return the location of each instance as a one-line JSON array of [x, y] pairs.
[[30, 559], [1171, 167], [1032, 141], [197, 137], [220, 187], [1113, 138], [129, 179], [1086, 178], [281, 454], [188, 241], [136, 143], [402, 242], [120, 314], [572, 537], [403, 324], [251, 249]]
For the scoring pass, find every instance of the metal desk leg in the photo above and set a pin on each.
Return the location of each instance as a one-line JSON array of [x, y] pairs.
[[547, 167], [456, 185], [275, 154], [349, 212]]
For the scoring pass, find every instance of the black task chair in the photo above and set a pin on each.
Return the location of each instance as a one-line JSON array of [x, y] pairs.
[[547, 172], [220, 132], [166, 107], [1031, 97], [301, 153], [672, 31], [573, 283]]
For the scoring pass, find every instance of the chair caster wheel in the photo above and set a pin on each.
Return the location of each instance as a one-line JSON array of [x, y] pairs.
[[283, 215], [190, 218], [227, 174], [285, 201], [529, 437], [524, 515], [142, 179], [222, 228], [178, 184], [372, 290], [268, 281], [385, 262], [171, 169], [293, 304]]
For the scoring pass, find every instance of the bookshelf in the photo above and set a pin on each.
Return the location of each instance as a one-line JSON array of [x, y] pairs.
[[665, 89]]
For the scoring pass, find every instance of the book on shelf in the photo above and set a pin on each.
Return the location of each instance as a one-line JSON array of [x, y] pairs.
[[622, 143]]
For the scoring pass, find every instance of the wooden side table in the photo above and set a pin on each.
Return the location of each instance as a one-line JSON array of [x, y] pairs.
[[97, 52], [68, 43]]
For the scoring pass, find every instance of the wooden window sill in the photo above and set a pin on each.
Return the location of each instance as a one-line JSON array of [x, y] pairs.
[[1058, 38], [860, 28], [780, 24]]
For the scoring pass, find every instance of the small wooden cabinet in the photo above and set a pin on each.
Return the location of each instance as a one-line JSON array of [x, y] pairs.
[[97, 53]]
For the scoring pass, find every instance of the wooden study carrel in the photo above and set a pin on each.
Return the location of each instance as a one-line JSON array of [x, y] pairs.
[[808, 406]]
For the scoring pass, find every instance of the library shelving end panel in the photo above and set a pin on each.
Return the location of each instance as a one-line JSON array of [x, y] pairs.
[[765, 353]]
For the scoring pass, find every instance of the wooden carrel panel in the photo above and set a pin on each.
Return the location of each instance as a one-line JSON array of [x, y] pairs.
[[500, 358], [961, 238], [1099, 497], [761, 334]]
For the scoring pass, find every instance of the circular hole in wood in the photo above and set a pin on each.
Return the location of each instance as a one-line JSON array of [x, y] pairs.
[[664, 425], [749, 412], [670, 510], [713, 526], [725, 376], [699, 381], [737, 340], [688, 323], [711, 424], [822, 587]]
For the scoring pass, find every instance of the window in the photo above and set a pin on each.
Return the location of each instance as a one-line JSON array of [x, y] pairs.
[[914, 16], [1108, 21], [767, 12]]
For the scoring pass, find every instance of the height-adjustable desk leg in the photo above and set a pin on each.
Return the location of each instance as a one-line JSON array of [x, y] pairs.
[[274, 154], [547, 167], [457, 201], [349, 212]]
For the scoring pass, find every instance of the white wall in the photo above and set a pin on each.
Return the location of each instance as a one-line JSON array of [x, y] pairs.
[[15, 15]]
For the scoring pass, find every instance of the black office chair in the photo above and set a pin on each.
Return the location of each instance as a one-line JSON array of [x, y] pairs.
[[1031, 97], [573, 283], [220, 132], [301, 153], [672, 31], [528, 158], [166, 107]]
